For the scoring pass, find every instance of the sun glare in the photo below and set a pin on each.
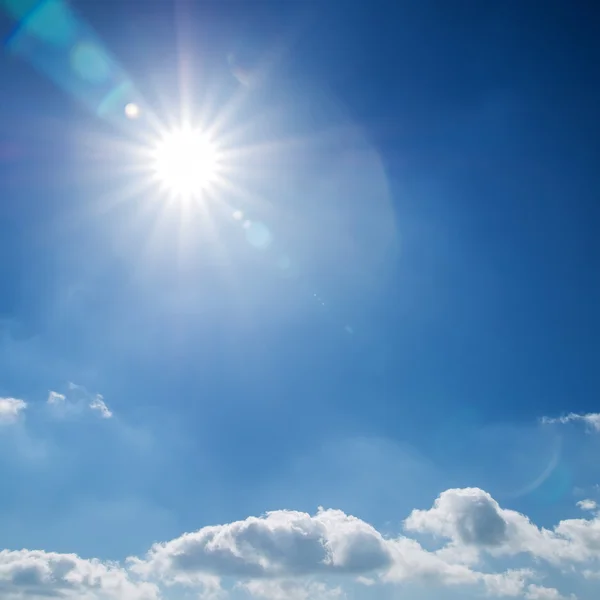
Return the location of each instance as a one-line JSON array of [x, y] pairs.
[[186, 162]]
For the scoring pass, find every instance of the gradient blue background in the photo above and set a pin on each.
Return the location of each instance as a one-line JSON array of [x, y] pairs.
[[445, 289]]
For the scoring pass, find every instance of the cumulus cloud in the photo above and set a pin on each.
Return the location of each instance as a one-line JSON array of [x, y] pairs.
[[299, 556], [280, 544], [471, 517], [270, 554], [591, 420], [36, 574], [10, 409]]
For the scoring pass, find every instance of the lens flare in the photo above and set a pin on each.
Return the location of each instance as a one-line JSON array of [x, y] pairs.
[[132, 111]]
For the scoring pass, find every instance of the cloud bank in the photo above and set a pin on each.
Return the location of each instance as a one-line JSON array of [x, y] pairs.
[[291, 554]]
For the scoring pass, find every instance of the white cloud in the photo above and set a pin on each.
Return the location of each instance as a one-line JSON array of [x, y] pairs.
[[292, 590], [289, 546], [470, 517], [56, 398], [76, 401], [60, 406], [589, 574], [587, 504], [293, 555], [509, 584], [98, 404], [513, 584], [592, 420], [538, 592], [412, 562], [10, 409], [583, 536], [280, 544], [35, 575]]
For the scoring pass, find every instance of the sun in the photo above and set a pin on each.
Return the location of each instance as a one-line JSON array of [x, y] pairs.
[[186, 162]]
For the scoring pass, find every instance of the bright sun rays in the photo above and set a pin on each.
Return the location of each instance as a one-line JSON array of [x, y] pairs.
[[185, 162]]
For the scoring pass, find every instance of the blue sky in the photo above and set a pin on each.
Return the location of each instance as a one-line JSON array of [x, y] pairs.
[[362, 363]]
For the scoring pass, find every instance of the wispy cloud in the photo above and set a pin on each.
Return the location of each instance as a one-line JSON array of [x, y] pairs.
[[592, 420], [587, 505], [589, 574], [77, 400], [98, 404], [56, 398], [10, 409]]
